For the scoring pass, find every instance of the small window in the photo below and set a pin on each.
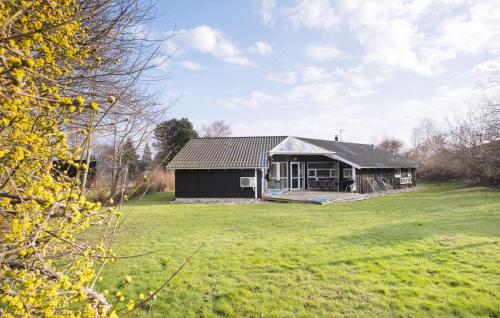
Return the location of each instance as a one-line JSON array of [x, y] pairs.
[[311, 173], [347, 173], [397, 173]]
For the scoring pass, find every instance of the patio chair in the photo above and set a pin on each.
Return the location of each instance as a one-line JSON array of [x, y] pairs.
[[322, 184], [315, 184], [331, 185]]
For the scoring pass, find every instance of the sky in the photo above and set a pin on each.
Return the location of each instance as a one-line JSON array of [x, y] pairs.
[[371, 69]]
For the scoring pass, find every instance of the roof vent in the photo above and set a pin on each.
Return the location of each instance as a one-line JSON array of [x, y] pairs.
[[336, 137]]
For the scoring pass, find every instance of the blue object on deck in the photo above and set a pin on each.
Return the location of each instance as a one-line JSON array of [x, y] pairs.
[[319, 200], [275, 191]]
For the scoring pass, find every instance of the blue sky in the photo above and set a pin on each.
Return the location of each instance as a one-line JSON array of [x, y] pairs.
[[371, 68]]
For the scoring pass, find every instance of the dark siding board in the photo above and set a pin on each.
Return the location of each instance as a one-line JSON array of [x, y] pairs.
[[259, 183], [414, 176], [213, 183], [362, 186]]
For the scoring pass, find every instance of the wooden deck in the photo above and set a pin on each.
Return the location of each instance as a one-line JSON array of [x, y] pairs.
[[314, 197]]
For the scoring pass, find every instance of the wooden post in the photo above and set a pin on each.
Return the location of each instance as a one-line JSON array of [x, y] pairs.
[[353, 189]]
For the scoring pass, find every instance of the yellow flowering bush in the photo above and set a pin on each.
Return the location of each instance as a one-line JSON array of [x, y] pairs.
[[44, 270]]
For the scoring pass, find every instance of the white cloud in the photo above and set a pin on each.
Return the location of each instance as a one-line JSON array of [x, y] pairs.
[[266, 11], [487, 67], [305, 75], [313, 74], [416, 36], [472, 31], [313, 14], [322, 53], [192, 65], [255, 100], [260, 48], [287, 78], [317, 90], [211, 41]]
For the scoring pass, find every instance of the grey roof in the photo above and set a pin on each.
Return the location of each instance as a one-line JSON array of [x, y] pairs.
[[251, 152], [363, 155], [225, 152]]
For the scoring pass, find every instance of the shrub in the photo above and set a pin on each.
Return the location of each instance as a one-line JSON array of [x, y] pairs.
[[42, 211]]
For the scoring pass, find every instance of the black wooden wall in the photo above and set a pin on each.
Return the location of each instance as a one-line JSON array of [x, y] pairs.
[[215, 183], [362, 186]]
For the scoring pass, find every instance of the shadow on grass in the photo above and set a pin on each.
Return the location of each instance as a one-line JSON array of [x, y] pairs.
[[153, 199], [397, 233], [363, 259]]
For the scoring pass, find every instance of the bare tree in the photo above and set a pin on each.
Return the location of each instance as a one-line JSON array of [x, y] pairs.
[[391, 144], [468, 148], [216, 128], [118, 76]]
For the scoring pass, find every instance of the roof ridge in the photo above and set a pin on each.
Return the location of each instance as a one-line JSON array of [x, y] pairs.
[[342, 142], [228, 137]]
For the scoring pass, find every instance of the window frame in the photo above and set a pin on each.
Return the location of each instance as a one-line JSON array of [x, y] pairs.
[[397, 172], [344, 173], [333, 172]]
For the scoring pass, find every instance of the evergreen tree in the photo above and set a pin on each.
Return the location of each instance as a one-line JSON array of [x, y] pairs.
[[147, 158], [171, 136], [131, 157]]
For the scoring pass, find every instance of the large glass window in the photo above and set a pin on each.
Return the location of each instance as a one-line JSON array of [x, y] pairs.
[[323, 170], [278, 176], [283, 170], [275, 171]]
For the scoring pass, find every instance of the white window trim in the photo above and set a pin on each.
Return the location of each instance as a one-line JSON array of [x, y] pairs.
[[397, 173], [332, 170], [278, 170]]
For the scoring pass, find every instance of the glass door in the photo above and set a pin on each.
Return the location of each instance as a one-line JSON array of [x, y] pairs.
[[296, 175]]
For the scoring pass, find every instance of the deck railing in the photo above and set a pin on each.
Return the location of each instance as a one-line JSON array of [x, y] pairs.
[[405, 180]]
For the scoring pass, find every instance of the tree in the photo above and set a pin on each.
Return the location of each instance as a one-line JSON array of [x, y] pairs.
[[171, 136], [216, 128], [391, 144], [42, 210], [117, 76], [70, 72], [147, 158], [131, 158]]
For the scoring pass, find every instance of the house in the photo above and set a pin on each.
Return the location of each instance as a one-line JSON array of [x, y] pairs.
[[63, 168], [248, 167]]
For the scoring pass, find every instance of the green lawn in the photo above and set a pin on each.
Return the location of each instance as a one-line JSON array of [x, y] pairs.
[[432, 253]]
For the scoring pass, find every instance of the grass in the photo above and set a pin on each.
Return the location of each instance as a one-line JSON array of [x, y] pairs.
[[432, 253]]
